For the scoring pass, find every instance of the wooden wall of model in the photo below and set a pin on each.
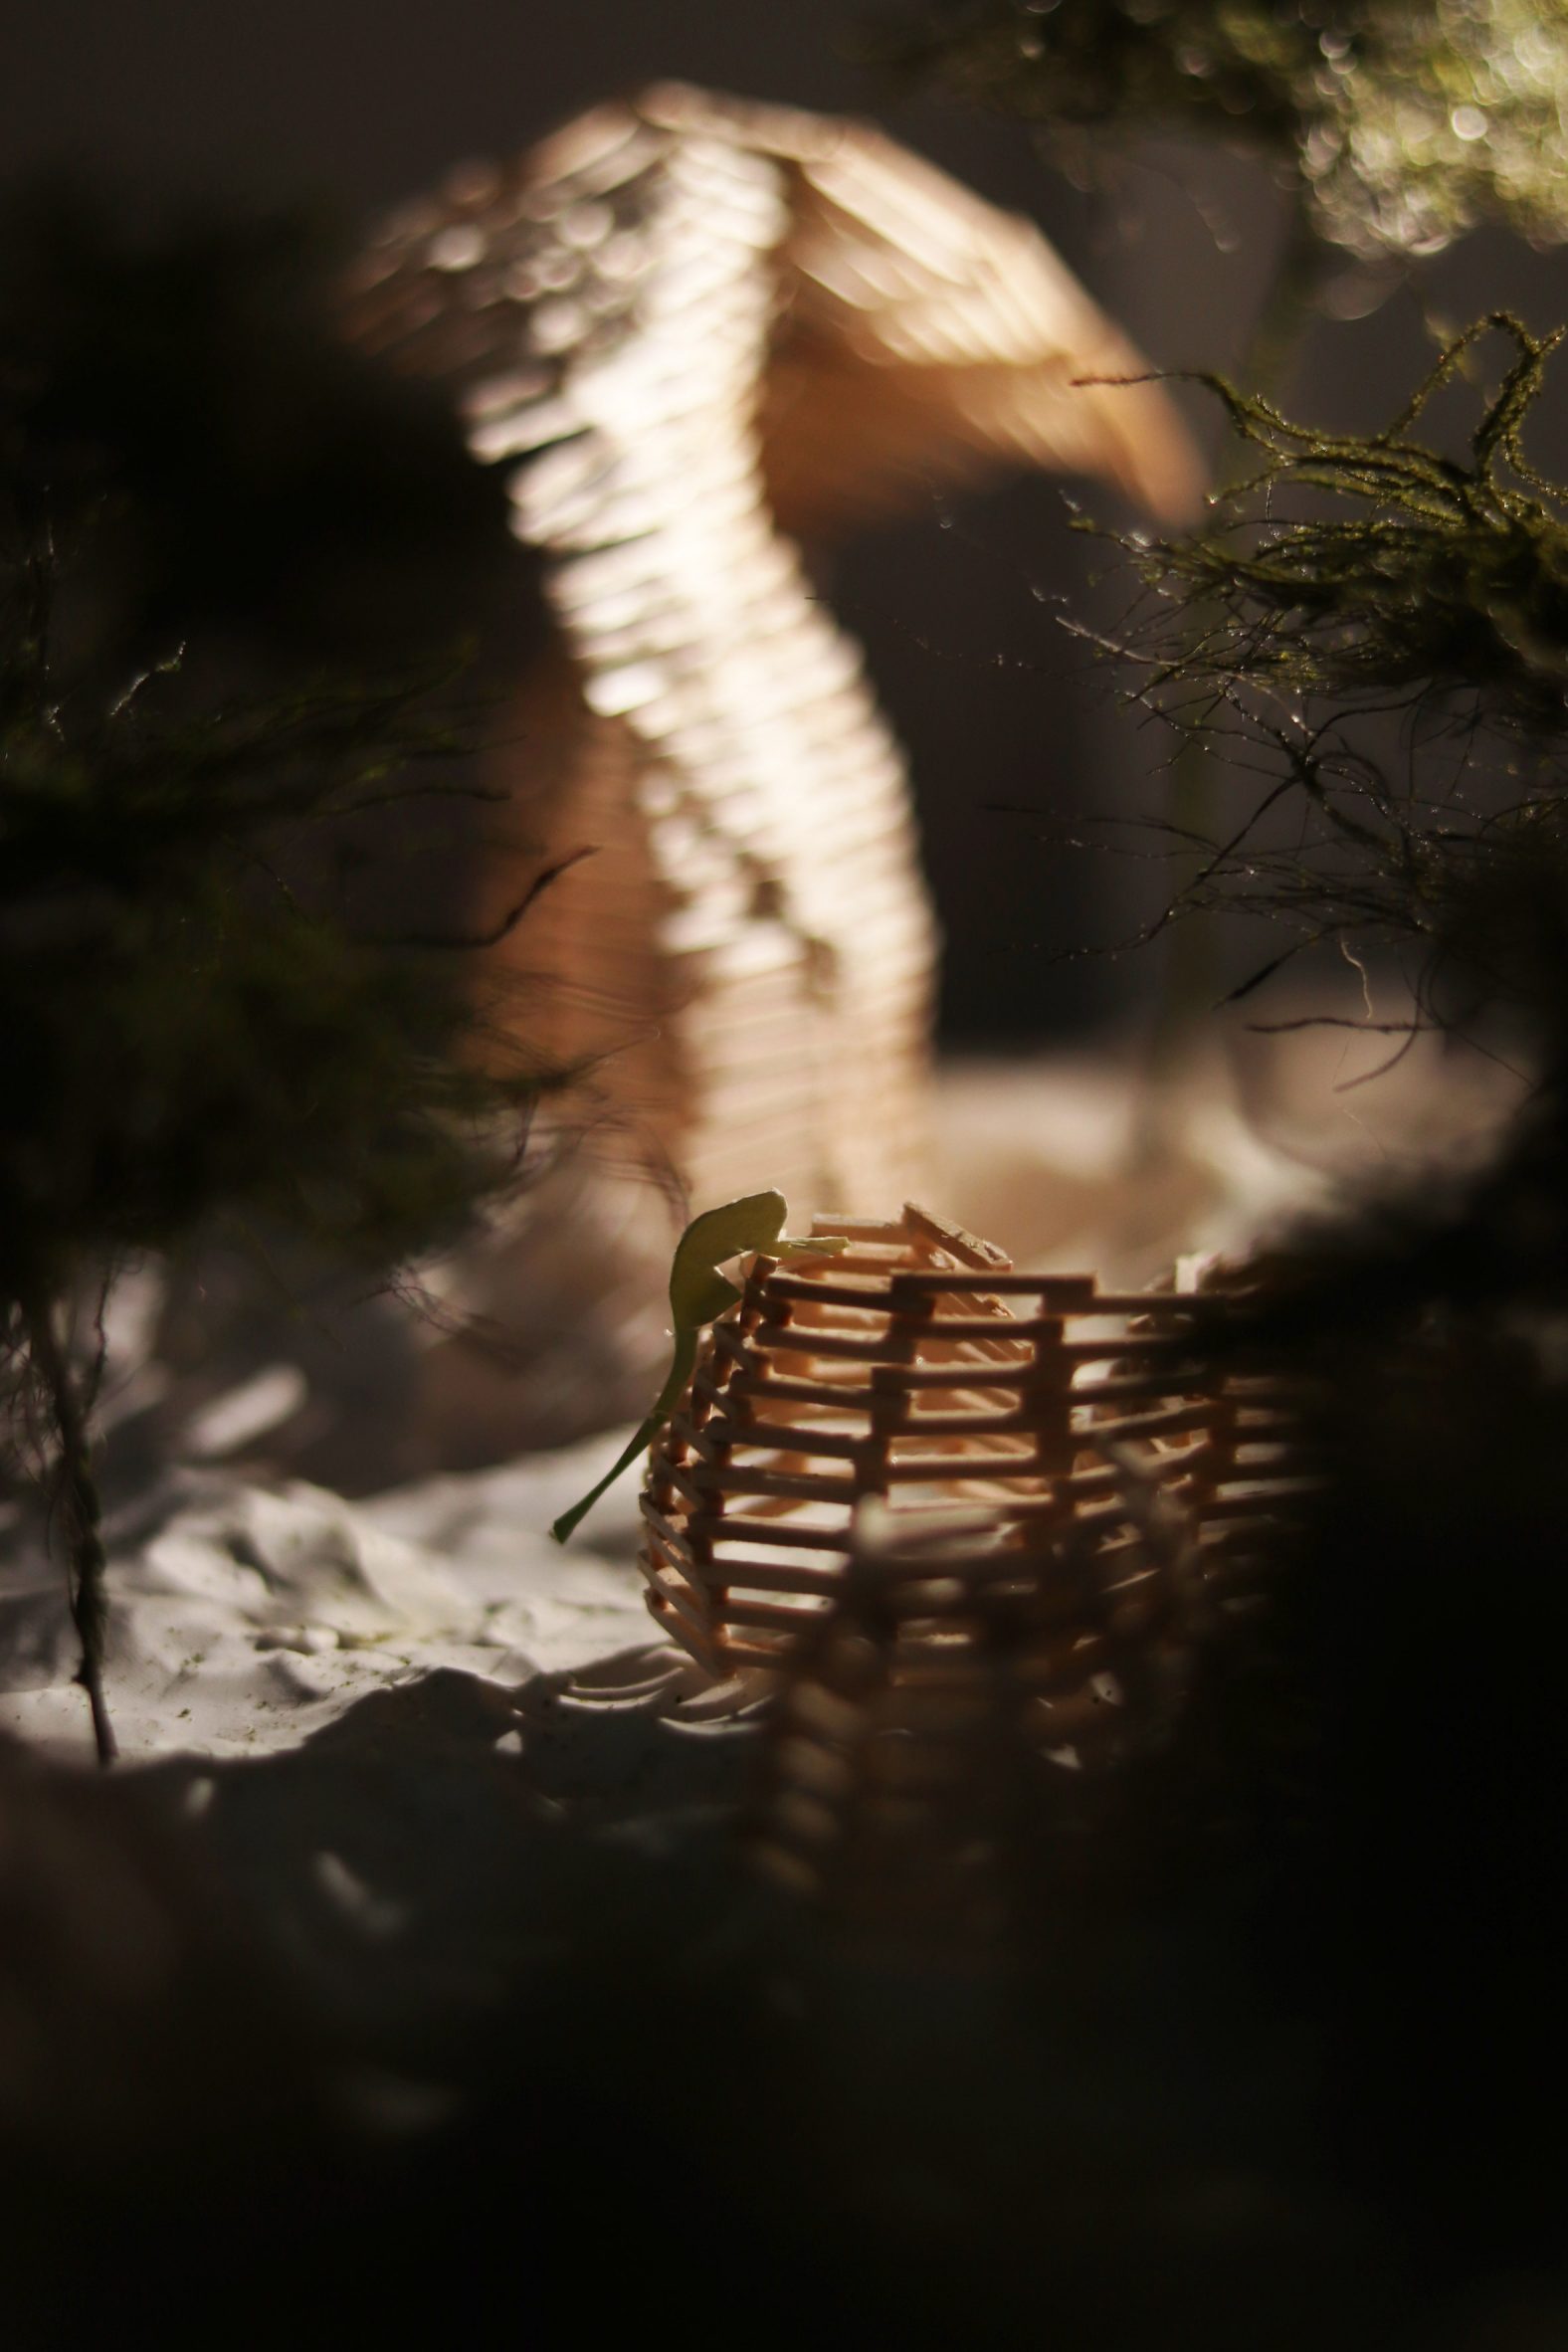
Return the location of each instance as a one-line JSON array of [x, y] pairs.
[[702, 331]]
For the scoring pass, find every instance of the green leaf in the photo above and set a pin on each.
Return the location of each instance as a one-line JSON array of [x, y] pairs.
[[698, 1295]]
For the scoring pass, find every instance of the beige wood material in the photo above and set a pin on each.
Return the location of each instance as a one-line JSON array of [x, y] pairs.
[[976, 1527], [692, 326], [950, 1502], [901, 1371]]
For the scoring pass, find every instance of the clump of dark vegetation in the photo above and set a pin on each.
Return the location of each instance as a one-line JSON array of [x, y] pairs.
[[1373, 1778], [1379, 632], [235, 995], [1419, 570], [1399, 124], [196, 1023]]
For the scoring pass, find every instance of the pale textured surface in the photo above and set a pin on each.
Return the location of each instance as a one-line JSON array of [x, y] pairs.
[[246, 1619], [386, 1771]]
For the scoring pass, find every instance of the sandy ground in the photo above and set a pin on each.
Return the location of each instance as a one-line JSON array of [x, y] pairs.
[[246, 1619], [252, 1607]]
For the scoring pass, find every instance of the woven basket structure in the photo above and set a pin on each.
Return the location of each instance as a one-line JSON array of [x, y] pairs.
[[979, 1522], [1110, 1487]]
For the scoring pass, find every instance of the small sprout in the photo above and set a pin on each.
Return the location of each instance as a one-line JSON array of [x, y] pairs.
[[698, 1295]]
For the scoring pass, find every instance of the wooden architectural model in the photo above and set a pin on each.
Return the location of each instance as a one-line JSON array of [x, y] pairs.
[[701, 331], [898, 1371], [945, 1498]]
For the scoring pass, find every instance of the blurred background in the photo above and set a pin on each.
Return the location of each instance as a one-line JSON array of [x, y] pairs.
[[350, 105]]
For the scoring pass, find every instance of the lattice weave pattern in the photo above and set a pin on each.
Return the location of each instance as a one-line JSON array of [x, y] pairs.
[[979, 1521], [1099, 1471]]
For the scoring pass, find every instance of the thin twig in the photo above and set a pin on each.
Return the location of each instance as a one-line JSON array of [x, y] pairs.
[[77, 1497]]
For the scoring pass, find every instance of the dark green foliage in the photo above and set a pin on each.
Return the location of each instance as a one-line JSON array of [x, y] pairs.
[[234, 992], [236, 558], [1381, 632], [206, 490], [1419, 570], [194, 1032], [184, 1030], [1401, 122]]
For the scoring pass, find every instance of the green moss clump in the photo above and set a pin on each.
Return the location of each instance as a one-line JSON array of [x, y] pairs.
[[1404, 122], [1418, 569], [1382, 632]]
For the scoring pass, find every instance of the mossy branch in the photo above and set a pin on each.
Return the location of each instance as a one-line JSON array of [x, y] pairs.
[[1357, 591]]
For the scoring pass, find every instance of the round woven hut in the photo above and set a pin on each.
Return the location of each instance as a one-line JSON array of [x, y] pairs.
[[1114, 1486]]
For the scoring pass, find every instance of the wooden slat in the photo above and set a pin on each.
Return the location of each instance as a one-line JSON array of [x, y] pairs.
[[772, 1576], [1048, 1576]]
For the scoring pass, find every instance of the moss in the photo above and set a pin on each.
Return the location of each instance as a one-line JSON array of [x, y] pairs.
[[1382, 631], [1404, 122], [1417, 569], [187, 1029]]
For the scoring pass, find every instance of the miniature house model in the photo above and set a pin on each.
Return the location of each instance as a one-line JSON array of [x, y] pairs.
[[698, 330], [1113, 1487]]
